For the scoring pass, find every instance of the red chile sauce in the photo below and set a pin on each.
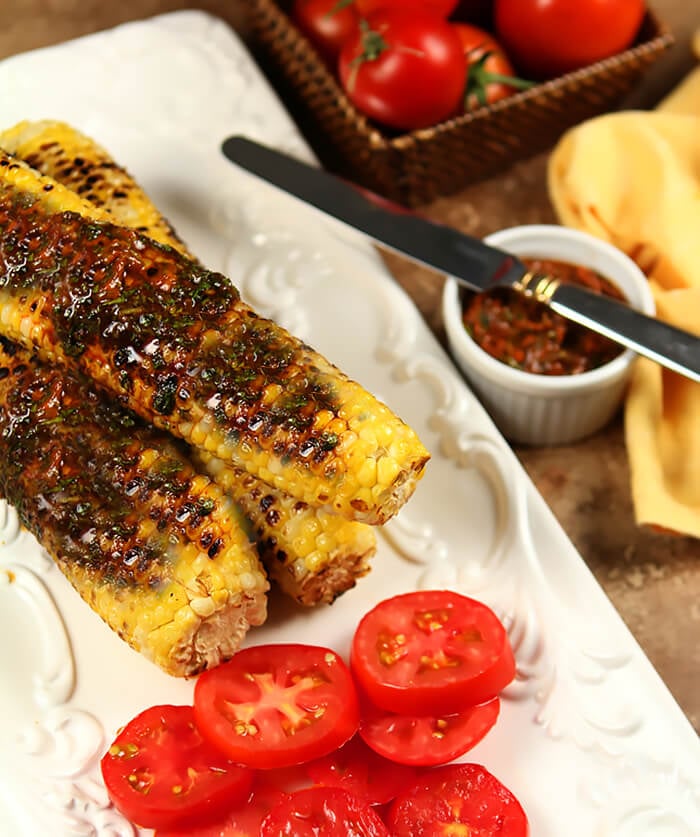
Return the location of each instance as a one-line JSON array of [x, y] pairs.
[[527, 335]]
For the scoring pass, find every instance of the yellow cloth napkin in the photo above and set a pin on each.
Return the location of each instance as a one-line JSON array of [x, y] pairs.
[[633, 178]]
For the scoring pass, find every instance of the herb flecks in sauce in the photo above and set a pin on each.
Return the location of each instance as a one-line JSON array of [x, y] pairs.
[[529, 336], [117, 301], [85, 474]]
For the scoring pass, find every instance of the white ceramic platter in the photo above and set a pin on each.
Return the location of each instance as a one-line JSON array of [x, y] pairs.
[[589, 739]]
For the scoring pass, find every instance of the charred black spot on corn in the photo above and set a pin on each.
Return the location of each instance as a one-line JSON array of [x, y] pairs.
[[177, 345], [122, 510], [164, 397], [78, 162]]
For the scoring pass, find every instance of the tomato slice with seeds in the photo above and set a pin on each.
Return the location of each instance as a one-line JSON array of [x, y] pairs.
[[277, 705], [160, 772], [243, 820], [323, 812], [431, 652], [458, 799], [426, 741], [363, 772]]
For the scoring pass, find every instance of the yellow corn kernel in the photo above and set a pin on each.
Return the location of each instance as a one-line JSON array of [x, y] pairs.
[[313, 555], [61, 152], [146, 540], [320, 467]]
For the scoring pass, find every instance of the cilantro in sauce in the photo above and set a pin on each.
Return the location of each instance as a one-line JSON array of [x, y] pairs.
[[527, 335]]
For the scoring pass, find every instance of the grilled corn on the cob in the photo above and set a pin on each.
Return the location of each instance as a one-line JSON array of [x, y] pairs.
[[176, 344], [78, 162], [313, 555], [152, 545]]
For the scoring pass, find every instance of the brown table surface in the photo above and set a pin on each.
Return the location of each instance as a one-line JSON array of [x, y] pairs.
[[653, 581]]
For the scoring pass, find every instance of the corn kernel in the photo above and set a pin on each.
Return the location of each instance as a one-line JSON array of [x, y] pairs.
[[388, 470], [367, 474], [203, 607]]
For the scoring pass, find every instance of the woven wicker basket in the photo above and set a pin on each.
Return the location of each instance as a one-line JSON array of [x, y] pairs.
[[416, 167]]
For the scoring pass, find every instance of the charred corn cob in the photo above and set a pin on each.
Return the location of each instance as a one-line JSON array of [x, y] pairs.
[[312, 554], [176, 344], [59, 151], [152, 545]]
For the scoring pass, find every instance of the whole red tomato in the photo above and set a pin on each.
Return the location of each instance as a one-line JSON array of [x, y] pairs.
[[442, 7], [546, 38], [407, 71], [490, 75], [326, 23]]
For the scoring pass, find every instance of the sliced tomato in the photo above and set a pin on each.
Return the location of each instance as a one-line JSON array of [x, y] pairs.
[[160, 772], [431, 652], [277, 705], [287, 779], [361, 771], [243, 820], [457, 799], [322, 812], [426, 741]]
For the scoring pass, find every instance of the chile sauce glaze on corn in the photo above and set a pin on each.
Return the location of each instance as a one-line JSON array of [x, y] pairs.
[[78, 162], [177, 345], [151, 544], [314, 555]]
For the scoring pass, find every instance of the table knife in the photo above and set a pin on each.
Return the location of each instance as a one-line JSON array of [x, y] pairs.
[[474, 264]]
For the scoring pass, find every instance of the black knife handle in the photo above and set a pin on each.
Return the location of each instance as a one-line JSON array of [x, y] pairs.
[[645, 335]]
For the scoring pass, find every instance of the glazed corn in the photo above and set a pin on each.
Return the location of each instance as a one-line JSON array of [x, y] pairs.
[[78, 162], [312, 554], [152, 545], [176, 344]]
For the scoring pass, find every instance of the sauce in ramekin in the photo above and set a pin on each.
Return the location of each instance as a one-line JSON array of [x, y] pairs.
[[528, 335]]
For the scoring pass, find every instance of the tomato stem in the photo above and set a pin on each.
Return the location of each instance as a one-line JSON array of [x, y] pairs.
[[479, 78], [339, 6], [373, 45]]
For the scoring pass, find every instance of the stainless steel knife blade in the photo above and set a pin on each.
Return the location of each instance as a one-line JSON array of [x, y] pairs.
[[474, 264]]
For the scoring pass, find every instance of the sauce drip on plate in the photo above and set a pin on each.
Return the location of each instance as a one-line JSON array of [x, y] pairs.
[[527, 335]]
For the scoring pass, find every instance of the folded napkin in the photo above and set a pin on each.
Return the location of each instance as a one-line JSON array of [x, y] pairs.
[[633, 179]]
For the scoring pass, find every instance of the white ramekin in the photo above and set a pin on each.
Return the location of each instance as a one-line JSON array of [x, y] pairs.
[[541, 409]]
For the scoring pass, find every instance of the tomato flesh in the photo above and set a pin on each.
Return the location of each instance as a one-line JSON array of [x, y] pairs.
[[243, 820], [431, 652], [160, 772], [459, 799], [277, 705], [426, 741], [322, 812], [361, 771]]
